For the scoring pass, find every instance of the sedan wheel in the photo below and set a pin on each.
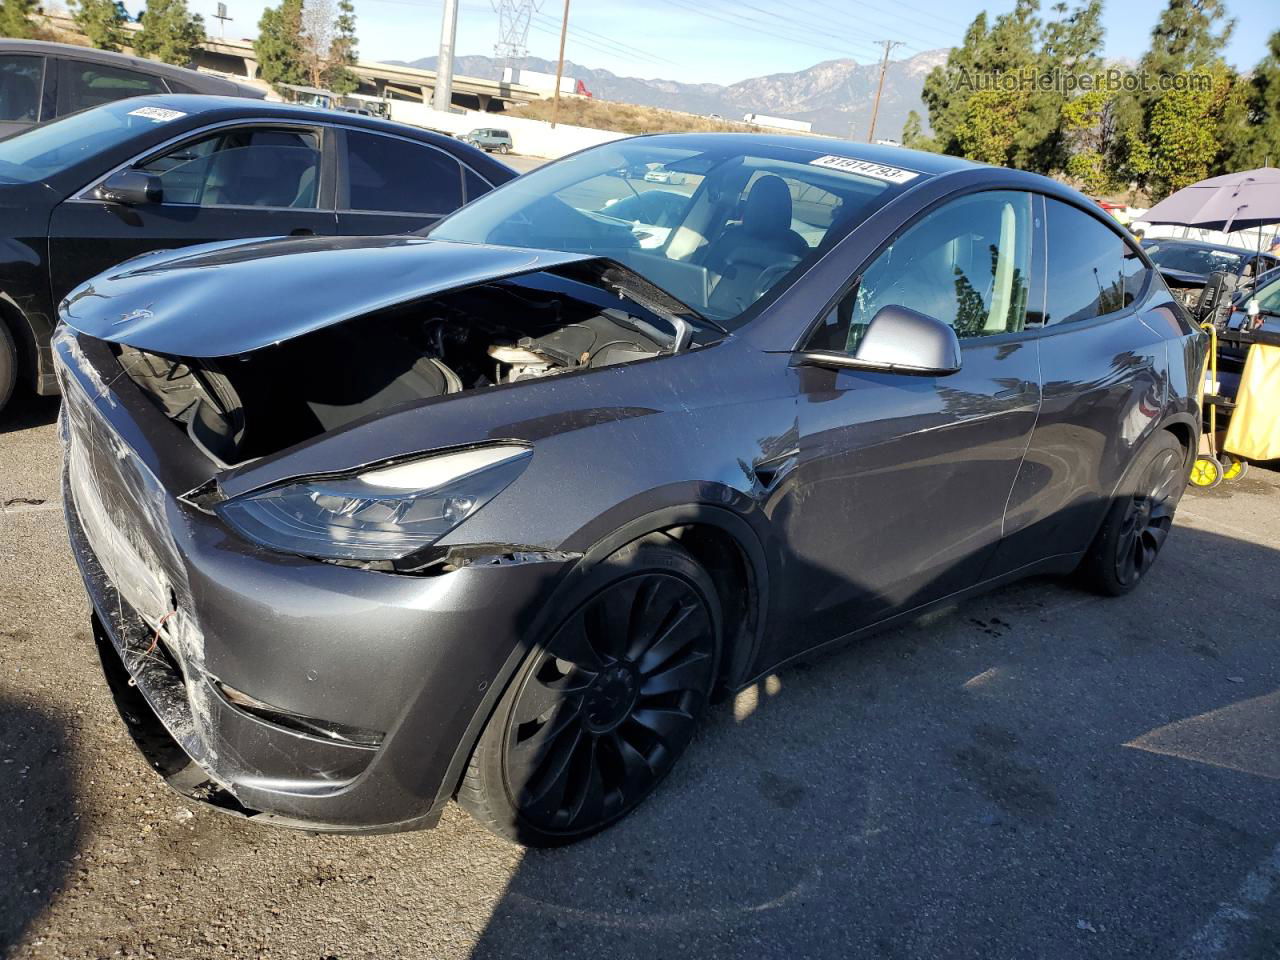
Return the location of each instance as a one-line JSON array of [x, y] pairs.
[[600, 714], [8, 364]]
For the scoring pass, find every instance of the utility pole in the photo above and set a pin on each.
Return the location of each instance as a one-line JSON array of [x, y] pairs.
[[444, 64], [555, 97], [884, 65]]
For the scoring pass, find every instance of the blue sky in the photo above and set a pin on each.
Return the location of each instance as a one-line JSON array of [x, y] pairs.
[[720, 41]]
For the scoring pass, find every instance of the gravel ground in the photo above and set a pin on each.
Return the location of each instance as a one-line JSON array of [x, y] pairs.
[[1039, 773]]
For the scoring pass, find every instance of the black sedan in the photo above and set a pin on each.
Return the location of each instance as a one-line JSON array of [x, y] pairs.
[[40, 81], [100, 186], [1189, 263], [368, 524]]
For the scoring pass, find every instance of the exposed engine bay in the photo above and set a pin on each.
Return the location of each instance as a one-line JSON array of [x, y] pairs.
[[497, 333]]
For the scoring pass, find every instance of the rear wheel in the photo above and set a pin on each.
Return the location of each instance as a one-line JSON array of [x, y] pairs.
[[503, 148], [1139, 520], [598, 716], [8, 364]]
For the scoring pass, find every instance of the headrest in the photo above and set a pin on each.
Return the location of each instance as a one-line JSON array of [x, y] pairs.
[[768, 209]]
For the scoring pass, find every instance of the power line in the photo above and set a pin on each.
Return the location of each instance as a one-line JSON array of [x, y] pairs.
[[792, 23], [598, 41], [690, 7]]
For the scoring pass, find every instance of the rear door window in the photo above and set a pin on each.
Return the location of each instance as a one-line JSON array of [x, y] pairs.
[[92, 84], [1089, 274], [390, 175], [21, 81]]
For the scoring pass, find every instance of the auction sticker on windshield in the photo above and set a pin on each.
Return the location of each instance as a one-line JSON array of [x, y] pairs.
[[865, 168], [158, 114]]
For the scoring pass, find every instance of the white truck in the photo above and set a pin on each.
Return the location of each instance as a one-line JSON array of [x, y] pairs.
[[546, 82], [777, 123]]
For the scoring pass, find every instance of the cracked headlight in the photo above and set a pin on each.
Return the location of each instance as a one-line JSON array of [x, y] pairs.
[[381, 514]]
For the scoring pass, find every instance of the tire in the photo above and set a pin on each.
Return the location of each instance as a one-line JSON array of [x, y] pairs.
[[1233, 467], [8, 364], [1206, 473], [503, 149], [1139, 520], [598, 714]]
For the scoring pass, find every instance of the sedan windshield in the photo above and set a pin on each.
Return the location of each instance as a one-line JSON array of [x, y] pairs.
[[1191, 259], [44, 151], [716, 222]]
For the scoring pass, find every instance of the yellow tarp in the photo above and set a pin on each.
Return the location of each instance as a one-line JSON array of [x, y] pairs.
[[1254, 431]]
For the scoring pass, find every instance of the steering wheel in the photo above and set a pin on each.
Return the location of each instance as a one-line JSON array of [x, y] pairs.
[[771, 275]]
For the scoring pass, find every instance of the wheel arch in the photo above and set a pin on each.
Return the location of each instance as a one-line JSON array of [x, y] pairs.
[[722, 541], [1184, 427]]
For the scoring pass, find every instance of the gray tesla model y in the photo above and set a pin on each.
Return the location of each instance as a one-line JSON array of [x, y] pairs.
[[495, 512]]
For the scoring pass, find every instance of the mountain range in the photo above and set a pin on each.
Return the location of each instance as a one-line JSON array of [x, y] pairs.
[[836, 96]]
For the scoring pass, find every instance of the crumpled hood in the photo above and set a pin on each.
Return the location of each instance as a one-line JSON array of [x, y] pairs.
[[221, 299]]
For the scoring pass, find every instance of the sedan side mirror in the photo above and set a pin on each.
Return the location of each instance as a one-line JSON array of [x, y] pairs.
[[133, 188], [898, 340]]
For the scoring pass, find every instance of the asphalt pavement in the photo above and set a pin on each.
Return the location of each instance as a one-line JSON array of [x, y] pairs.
[[1039, 773]]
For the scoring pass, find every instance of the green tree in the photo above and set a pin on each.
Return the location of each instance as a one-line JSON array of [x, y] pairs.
[[281, 58], [913, 134], [170, 32], [1182, 134], [1255, 131], [1175, 124], [1085, 129], [15, 19], [338, 75], [1001, 95], [1070, 49], [101, 22]]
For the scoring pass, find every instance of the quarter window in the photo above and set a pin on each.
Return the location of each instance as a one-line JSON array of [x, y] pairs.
[[1091, 271], [390, 175], [92, 84], [242, 167], [966, 263], [21, 79]]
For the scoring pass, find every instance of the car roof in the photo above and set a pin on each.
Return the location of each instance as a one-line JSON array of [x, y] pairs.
[[212, 109], [200, 109], [1202, 244], [919, 160], [67, 51]]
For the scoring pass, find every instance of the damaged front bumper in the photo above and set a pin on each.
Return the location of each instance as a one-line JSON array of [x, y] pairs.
[[281, 688]]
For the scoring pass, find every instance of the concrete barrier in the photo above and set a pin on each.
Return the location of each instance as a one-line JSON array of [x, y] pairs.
[[535, 138]]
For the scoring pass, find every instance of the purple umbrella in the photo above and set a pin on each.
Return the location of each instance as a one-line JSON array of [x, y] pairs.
[[1232, 201]]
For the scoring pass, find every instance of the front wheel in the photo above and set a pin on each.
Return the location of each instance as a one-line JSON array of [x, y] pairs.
[[8, 364], [596, 717], [1139, 519]]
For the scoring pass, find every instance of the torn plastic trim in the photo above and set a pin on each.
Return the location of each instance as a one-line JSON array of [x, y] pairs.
[[297, 722]]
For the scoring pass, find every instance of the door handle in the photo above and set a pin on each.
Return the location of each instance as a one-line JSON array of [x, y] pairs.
[[302, 232]]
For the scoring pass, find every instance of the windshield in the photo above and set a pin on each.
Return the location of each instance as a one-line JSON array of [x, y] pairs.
[[716, 226], [44, 151], [1203, 260]]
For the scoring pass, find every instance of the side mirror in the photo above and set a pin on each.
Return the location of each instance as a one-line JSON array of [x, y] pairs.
[[898, 340], [133, 188]]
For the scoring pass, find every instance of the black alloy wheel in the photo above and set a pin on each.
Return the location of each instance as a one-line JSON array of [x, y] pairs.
[[1140, 518], [601, 713], [1148, 517]]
